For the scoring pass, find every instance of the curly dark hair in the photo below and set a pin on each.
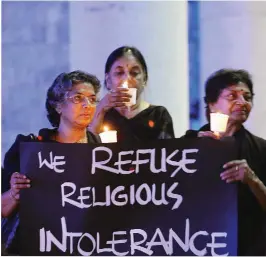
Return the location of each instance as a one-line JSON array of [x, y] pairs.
[[222, 79], [61, 85]]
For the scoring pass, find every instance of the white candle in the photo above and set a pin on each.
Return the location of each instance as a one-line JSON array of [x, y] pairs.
[[108, 136], [132, 92], [218, 122]]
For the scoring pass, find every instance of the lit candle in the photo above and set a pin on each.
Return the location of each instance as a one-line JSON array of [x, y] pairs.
[[108, 136], [125, 84], [132, 92], [218, 122]]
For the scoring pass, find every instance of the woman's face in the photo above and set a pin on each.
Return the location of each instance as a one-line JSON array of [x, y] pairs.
[[126, 68], [235, 101], [79, 106]]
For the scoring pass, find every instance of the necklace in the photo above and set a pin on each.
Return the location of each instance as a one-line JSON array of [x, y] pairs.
[[83, 140]]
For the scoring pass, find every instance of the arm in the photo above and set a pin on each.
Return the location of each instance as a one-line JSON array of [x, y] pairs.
[[10, 199], [9, 204], [259, 190], [12, 182], [115, 98]]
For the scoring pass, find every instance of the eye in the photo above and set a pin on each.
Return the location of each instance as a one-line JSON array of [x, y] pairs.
[[93, 100], [118, 73], [77, 98], [134, 73], [231, 96], [248, 98]]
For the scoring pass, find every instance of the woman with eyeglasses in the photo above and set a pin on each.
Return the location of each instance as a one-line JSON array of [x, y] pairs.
[[70, 104], [230, 92], [140, 122]]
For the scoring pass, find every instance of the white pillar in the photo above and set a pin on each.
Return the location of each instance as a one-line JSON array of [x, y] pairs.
[[257, 122], [157, 29]]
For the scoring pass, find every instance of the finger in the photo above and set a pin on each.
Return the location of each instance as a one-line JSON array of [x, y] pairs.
[[231, 176], [227, 175], [20, 186], [230, 180], [121, 89], [120, 100], [207, 134], [233, 163], [118, 105], [113, 105], [18, 175], [119, 97], [115, 98], [121, 94], [20, 181]]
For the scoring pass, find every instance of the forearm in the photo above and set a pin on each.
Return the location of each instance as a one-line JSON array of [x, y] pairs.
[[259, 190], [9, 204]]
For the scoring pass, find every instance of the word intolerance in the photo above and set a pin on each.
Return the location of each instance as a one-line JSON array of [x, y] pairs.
[[144, 245], [137, 161]]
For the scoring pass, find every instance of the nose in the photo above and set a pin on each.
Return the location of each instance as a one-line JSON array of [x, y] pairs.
[[240, 100], [86, 102], [126, 76]]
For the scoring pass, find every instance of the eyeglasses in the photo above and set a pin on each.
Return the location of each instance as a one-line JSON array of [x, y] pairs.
[[80, 98]]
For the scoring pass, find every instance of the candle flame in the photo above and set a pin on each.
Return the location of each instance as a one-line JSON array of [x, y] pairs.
[[125, 84], [105, 128]]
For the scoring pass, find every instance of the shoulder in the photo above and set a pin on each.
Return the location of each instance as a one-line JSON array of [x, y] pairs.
[[158, 108], [259, 141], [190, 134], [19, 139], [11, 159], [160, 111]]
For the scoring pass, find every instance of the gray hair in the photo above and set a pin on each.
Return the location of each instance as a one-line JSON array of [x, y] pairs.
[[63, 84]]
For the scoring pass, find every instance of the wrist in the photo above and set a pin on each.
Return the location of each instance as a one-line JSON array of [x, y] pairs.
[[12, 196], [252, 178]]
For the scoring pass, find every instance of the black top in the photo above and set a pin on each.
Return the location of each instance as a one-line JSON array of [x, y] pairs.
[[10, 225], [152, 123], [251, 217]]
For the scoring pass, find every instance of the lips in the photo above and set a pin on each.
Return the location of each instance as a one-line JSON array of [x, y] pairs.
[[243, 111], [85, 115]]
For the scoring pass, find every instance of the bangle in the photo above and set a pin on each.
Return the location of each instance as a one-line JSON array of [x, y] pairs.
[[12, 196]]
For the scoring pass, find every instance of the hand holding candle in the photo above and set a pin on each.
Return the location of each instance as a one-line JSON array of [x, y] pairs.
[[218, 122], [132, 92], [108, 136]]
